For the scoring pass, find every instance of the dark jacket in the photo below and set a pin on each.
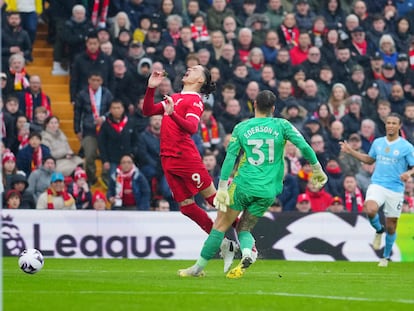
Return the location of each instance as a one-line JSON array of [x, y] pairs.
[[83, 116], [140, 188], [289, 193], [113, 145], [74, 36], [83, 65], [15, 37], [24, 158]]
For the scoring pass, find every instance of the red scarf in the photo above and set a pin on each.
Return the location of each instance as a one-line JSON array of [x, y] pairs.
[[93, 56], [359, 200], [36, 158], [68, 200], [120, 177], [291, 35], [175, 36], [76, 191], [361, 47], [295, 165], [411, 55], [200, 35], [23, 139], [94, 109], [118, 126], [95, 11], [303, 175], [256, 66], [208, 139], [20, 80], [29, 104]]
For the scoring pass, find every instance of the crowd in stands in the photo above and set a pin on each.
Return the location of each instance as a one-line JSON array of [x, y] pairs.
[[338, 67]]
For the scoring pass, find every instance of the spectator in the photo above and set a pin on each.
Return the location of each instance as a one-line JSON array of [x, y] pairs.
[[311, 100], [331, 42], [22, 132], [162, 206], [374, 71], [304, 174], [199, 32], [56, 197], [172, 64], [136, 9], [165, 88], [334, 14], [31, 157], [402, 34], [360, 10], [7, 122], [34, 97], [227, 61], [299, 53], [397, 99], [121, 45], [144, 25], [171, 34], [17, 77], [91, 60], [368, 133], [349, 165], [186, 45], [231, 115], [370, 101], [317, 143], [343, 64], [304, 14], [80, 190], [90, 111], [57, 142], [248, 99], [20, 184], [313, 64], [363, 177], [336, 132], [212, 131], [283, 67], [123, 81], [295, 113], [216, 14], [271, 47], [75, 32], [230, 30], [354, 199], [39, 179], [292, 158], [290, 190], [116, 137], [128, 188], [288, 31], [244, 44], [403, 72], [335, 177], [360, 48], [352, 120], [153, 45], [275, 12], [15, 40], [120, 22], [8, 169], [40, 115], [376, 30], [336, 205], [248, 9], [383, 110], [215, 47], [259, 23], [99, 201], [407, 129], [193, 11], [3, 83], [337, 100], [303, 203], [13, 199], [319, 199], [358, 83]]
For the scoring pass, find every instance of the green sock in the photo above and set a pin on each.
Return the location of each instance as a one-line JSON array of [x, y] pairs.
[[210, 247], [246, 243]]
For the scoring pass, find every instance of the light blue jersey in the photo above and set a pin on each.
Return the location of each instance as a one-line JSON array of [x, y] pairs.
[[392, 159]]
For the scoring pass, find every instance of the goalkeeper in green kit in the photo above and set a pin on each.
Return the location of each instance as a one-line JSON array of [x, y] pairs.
[[258, 180]]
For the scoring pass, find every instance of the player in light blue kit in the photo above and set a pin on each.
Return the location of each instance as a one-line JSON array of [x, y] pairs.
[[393, 156]]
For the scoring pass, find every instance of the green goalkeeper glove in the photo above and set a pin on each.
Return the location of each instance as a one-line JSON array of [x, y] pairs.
[[222, 198], [319, 177]]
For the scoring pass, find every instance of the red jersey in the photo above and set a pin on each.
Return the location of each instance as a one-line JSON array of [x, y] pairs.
[[176, 132]]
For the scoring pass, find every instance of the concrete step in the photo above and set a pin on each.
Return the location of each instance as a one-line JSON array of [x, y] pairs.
[[42, 53]]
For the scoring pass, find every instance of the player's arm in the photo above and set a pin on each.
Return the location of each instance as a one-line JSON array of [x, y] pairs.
[[363, 157], [188, 124], [149, 107], [222, 198]]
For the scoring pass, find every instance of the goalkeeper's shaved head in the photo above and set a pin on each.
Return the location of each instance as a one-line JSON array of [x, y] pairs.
[[265, 101]]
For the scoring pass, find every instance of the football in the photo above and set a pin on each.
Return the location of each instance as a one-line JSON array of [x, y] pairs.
[[31, 261]]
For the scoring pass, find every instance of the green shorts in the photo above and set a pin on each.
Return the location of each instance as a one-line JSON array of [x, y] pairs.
[[241, 201]]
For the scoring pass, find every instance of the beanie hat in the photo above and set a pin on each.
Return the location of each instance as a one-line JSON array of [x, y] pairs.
[[80, 173], [8, 156], [98, 195]]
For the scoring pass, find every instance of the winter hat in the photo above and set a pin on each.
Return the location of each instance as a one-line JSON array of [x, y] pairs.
[[80, 173], [8, 156], [13, 192], [98, 195]]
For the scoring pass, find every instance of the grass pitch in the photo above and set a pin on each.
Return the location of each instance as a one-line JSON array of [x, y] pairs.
[[110, 284]]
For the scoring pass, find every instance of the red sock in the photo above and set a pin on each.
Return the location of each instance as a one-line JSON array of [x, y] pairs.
[[210, 199], [198, 215]]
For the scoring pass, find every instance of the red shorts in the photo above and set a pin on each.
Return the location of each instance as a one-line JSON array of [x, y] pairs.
[[186, 177]]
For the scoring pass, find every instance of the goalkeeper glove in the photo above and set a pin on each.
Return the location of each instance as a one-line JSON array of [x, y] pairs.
[[318, 177], [222, 198]]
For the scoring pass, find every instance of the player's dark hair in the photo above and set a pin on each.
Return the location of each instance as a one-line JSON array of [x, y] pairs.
[[208, 86], [396, 115], [265, 101]]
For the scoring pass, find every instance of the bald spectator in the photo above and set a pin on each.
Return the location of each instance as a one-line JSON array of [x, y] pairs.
[[336, 135], [247, 101], [123, 82]]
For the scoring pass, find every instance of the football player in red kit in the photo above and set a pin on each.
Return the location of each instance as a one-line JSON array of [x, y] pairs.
[[182, 164]]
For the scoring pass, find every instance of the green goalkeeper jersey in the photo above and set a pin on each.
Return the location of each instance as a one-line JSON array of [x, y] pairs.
[[261, 168]]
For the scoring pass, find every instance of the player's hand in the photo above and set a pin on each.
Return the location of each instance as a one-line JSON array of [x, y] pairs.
[[318, 177], [222, 198], [156, 78], [169, 105], [345, 147]]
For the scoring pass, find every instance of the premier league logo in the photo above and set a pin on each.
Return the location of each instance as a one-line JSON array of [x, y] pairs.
[[13, 243]]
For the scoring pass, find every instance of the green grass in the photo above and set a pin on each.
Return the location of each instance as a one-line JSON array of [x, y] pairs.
[[108, 284]]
